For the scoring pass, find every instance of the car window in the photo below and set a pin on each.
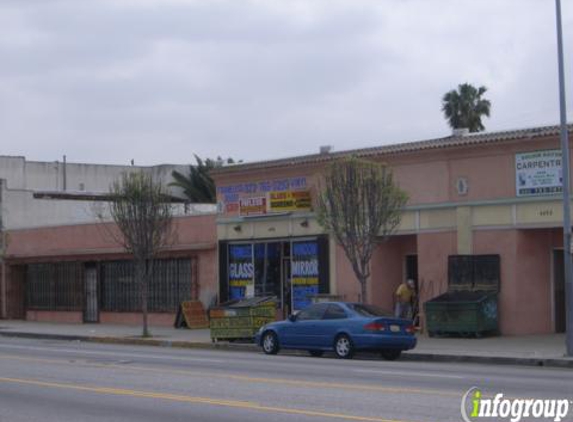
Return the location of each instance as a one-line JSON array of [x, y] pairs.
[[334, 312], [312, 312], [370, 310]]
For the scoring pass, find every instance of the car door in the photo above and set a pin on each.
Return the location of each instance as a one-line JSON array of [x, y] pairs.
[[302, 332], [333, 320]]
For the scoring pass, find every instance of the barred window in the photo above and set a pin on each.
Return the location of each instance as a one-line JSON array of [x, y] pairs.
[[169, 286], [119, 289], [55, 286]]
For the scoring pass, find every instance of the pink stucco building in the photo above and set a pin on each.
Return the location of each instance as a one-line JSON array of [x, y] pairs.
[[60, 262], [469, 194], [42, 264]]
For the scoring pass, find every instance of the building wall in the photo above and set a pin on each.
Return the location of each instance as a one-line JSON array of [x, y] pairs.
[[440, 219], [347, 285], [22, 174], [388, 269], [19, 209], [207, 277], [134, 318], [429, 176], [191, 233], [195, 236], [433, 250], [55, 316]]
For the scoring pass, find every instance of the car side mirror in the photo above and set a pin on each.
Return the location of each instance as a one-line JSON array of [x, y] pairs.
[[292, 317]]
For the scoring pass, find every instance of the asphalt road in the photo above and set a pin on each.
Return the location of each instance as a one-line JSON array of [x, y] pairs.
[[71, 381]]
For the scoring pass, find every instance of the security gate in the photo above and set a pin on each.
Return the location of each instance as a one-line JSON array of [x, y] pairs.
[[91, 309]]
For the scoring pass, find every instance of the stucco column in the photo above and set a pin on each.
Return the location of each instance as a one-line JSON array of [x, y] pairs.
[[332, 264]]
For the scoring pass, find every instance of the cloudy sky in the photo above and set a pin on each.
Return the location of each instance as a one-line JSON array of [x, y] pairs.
[[159, 80]]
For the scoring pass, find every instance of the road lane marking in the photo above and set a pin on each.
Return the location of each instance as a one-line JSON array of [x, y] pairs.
[[193, 399], [104, 353], [245, 378], [408, 374]]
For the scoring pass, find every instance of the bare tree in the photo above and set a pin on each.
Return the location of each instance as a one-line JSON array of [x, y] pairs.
[[141, 209], [361, 206]]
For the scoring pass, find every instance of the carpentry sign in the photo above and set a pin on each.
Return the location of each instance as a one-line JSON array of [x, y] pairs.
[[538, 173]]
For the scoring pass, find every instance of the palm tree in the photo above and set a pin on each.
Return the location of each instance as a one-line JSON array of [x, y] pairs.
[[198, 186], [465, 107]]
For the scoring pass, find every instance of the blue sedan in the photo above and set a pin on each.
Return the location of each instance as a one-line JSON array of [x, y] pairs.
[[342, 327]]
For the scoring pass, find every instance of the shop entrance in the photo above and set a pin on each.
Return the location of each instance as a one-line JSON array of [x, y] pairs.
[[412, 274], [558, 291], [293, 270], [91, 309]]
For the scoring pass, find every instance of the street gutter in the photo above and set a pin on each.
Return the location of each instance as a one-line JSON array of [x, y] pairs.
[[249, 347]]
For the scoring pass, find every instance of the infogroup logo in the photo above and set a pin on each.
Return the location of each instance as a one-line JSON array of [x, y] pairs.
[[475, 407]]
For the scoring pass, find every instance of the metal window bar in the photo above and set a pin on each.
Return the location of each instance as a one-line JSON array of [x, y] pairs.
[[55, 286], [170, 285]]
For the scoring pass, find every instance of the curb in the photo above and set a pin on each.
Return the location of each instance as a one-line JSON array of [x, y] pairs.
[[242, 347], [490, 360]]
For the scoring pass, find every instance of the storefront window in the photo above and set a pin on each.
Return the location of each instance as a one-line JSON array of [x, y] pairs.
[[289, 270], [268, 269], [304, 264], [241, 271]]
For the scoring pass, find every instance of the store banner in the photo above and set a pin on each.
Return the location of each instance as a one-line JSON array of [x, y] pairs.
[[253, 206], [241, 271], [290, 201], [538, 173], [304, 273]]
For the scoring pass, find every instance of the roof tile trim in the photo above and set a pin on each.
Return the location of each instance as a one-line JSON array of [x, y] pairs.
[[445, 142]]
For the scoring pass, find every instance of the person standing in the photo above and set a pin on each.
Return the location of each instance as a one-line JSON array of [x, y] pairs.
[[404, 297]]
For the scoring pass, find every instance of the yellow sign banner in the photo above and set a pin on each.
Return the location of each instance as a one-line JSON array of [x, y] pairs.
[[290, 201]]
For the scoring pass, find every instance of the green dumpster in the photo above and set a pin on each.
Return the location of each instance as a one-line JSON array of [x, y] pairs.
[[470, 306], [241, 319]]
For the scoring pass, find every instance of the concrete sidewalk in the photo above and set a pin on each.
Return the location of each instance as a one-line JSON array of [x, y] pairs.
[[541, 350]]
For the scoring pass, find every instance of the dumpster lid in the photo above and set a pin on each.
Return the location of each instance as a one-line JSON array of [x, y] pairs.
[[473, 272]]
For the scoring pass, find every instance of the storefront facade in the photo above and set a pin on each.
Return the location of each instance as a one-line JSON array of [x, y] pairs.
[[266, 244], [489, 193], [79, 274], [292, 269]]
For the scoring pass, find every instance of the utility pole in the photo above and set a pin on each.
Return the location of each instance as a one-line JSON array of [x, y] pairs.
[[566, 188], [3, 246]]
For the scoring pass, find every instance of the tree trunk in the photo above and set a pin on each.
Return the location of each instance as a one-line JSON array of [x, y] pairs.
[[363, 289], [143, 284]]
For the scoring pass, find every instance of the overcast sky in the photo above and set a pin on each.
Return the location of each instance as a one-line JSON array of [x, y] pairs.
[[159, 80]]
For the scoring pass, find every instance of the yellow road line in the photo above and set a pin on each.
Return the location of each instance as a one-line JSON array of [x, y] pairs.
[[245, 378], [192, 399]]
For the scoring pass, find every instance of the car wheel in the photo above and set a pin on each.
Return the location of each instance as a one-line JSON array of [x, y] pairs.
[[391, 354], [343, 347], [316, 353], [270, 343]]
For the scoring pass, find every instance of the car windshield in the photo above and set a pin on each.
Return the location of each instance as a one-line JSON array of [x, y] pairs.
[[369, 310]]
